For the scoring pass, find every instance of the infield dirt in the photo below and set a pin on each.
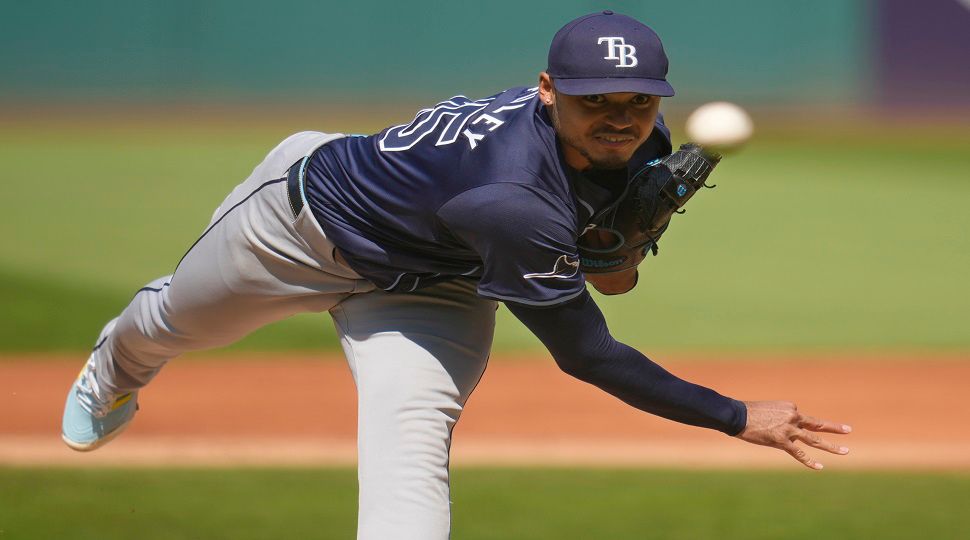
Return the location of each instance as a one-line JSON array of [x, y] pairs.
[[300, 410]]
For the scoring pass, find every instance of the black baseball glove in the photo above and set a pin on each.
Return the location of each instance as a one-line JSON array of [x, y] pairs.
[[662, 187]]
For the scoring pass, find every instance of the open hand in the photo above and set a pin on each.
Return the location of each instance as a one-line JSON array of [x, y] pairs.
[[779, 424]]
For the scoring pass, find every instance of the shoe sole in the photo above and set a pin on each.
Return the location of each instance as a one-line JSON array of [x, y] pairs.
[[101, 441]]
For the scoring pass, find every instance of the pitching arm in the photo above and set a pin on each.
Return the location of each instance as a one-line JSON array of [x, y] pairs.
[[576, 334]]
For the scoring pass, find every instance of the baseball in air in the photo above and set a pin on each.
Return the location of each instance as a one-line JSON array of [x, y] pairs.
[[720, 126]]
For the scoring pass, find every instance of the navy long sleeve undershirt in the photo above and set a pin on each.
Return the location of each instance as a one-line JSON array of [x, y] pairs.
[[576, 334]]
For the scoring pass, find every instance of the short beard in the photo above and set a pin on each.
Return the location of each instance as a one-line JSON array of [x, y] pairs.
[[614, 164], [594, 164]]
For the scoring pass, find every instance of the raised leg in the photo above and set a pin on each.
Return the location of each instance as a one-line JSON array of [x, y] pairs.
[[254, 264]]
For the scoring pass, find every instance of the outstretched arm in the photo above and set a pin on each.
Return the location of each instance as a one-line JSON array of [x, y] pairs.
[[575, 333]]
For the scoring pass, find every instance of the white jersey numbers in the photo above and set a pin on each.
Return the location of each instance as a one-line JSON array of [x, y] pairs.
[[455, 119]]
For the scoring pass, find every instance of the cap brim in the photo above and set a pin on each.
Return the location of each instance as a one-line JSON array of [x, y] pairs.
[[585, 87]]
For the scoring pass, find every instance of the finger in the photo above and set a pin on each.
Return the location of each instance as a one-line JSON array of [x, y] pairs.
[[799, 454], [824, 426], [815, 441]]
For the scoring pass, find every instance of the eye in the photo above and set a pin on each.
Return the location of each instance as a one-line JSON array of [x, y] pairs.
[[641, 99], [595, 98]]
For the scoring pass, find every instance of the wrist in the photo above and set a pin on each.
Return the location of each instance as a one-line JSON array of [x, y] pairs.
[[740, 421]]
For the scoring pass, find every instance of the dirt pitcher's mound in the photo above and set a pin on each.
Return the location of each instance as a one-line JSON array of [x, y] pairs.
[[299, 410]]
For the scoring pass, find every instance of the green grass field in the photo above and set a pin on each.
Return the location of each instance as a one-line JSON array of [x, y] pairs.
[[500, 504], [814, 239]]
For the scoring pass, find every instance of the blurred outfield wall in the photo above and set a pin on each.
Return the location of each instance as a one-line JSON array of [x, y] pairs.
[[179, 50], [758, 52]]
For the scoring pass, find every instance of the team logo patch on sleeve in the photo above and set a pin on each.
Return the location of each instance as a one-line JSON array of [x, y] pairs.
[[565, 268]]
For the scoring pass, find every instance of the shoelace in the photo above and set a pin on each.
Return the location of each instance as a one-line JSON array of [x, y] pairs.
[[90, 395]]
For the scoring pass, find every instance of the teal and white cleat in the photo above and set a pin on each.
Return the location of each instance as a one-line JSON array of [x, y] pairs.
[[92, 417]]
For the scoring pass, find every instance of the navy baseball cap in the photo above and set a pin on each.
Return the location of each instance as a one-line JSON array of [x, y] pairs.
[[606, 52]]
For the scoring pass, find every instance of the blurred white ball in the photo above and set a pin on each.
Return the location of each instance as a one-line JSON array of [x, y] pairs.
[[719, 126]]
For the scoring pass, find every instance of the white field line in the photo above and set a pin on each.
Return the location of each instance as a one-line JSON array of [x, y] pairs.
[[235, 452]]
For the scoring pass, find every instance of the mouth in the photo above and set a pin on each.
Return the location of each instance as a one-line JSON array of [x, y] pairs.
[[614, 140]]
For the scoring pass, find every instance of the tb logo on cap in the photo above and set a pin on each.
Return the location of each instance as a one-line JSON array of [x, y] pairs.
[[617, 49]]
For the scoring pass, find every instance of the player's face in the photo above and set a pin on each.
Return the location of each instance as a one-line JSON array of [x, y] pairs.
[[600, 130]]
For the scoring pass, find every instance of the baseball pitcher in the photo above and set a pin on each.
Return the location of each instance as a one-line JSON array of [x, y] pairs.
[[411, 236]]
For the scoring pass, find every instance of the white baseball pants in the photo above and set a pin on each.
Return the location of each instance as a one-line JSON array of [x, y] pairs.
[[415, 357]]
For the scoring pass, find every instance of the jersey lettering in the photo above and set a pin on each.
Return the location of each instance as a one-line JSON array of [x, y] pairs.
[[450, 117], [472, 137]]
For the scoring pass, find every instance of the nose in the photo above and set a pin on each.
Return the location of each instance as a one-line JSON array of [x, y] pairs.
[[619, 117]]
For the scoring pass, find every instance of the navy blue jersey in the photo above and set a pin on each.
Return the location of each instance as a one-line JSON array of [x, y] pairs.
[[467, 188]]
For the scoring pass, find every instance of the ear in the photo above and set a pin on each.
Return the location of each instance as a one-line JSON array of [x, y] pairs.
[[547, 94]]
